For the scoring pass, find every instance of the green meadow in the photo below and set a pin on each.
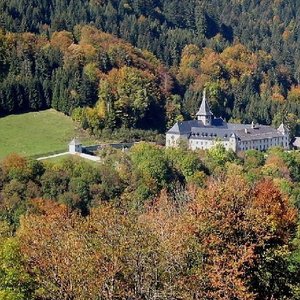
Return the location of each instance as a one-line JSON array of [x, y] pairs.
[[38, 133], [60, 159]]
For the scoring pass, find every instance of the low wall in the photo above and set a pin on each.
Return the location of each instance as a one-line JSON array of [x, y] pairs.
[[102, 146], [90, 148], [89, 157]]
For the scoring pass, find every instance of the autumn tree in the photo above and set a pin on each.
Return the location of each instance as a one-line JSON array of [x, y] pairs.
[[236, 226], [15, 282]]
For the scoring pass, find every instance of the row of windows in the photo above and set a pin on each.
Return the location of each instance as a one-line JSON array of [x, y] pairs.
[[201, 143], [205, 143], [263, 147], [205, 134], [264, 141], [263, 144]]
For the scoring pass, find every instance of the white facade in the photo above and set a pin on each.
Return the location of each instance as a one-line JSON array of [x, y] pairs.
[[75, 147], [231, 144], [206, 131], [236, 145], [173, 140]]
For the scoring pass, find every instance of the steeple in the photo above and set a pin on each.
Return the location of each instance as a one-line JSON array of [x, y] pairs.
[[204, 114], [283, 129]]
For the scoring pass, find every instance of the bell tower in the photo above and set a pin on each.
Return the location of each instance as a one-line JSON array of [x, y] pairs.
[[204, 114]]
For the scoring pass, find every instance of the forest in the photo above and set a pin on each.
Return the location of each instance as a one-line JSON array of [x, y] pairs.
[[152, 223], [85, 58]]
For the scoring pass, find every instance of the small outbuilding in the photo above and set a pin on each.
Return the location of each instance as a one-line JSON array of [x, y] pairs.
[[75, 146]]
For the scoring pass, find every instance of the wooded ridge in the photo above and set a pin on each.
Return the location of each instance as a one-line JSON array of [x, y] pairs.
[[245, 53]]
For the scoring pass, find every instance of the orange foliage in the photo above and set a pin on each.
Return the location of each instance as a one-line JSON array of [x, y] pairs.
[[286, 34], [120, 52], [273, 211], [62, 40], [278, 97], [82, 53], [212, 65], [276, 167], [12, 162], [189, 65], [203, 67], [294, 94], [60, 250], [231, 222], [239, 60], [199, 244]]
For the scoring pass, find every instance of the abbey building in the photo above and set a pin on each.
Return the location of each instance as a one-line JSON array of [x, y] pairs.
[[207, 130]]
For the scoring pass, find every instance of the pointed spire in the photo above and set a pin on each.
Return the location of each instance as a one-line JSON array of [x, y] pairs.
[[233, 136], [283, 129], [204, 109]]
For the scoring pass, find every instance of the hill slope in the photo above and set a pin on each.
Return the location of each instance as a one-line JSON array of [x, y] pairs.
[[36, 133], [165, 26], [244, 52]]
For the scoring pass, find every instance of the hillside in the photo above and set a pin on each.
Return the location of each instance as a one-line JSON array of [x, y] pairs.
[[245, 53], [36, 133], [149, 222], [165, 26], [121, 85]]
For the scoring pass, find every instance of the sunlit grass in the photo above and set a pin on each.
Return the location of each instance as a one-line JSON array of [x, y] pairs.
[[38, 133]]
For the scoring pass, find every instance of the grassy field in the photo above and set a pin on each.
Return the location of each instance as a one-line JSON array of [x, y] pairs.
[[60, 159], [38, 133]]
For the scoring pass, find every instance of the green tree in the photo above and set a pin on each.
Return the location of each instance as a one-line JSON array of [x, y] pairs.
[[15, 282]]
